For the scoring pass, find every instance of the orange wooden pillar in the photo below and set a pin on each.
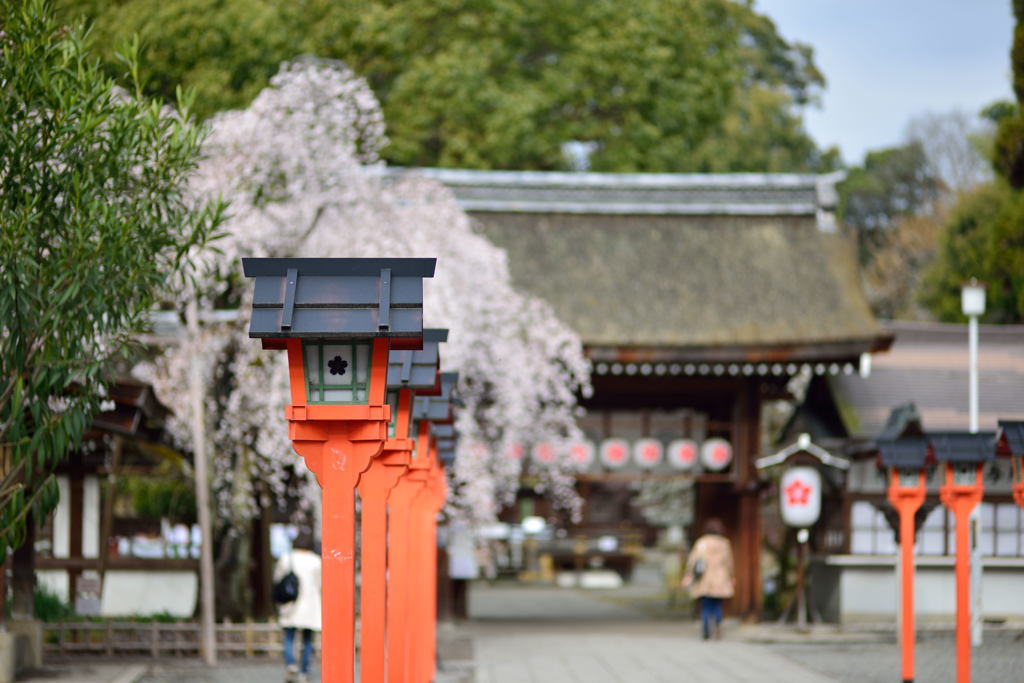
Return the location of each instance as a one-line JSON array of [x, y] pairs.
[[402, 567], [375, 486], [338, 443], [960, 495], [907, 493], [423, 562], [437, 491], [422, 613], [400, 574]]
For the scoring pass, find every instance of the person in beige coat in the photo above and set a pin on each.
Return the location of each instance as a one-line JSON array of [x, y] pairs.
[[709, 575], [303, 613]]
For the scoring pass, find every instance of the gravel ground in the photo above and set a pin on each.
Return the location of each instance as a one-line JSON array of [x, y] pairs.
[[999, 660]]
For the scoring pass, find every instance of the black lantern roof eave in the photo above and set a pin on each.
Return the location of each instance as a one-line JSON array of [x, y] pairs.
[[906, 452], [965, 447], [351, 267]]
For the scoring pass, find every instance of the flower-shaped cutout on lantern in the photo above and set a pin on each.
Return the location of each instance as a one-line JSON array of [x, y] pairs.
[[337, 365], [337, 373]]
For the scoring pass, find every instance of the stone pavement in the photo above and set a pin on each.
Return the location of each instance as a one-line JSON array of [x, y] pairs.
[[522, 634], [88, 672], [534, 635]]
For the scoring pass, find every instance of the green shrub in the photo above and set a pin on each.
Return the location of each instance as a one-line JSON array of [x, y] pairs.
[[49, 606]]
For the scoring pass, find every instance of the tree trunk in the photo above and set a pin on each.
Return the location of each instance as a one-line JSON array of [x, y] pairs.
[[23, 574]]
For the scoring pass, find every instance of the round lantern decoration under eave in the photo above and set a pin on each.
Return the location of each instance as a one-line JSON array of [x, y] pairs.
[[800, 497], [716, 454], [682, 454], [544, 453], [614, 453], [581, 454], [648, 453], [515, 451]]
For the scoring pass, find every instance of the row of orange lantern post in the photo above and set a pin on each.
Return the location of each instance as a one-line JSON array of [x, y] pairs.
[[962, 457], [368, 405]]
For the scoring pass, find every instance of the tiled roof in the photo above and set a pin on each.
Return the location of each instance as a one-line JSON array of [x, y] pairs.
[[928, 366]]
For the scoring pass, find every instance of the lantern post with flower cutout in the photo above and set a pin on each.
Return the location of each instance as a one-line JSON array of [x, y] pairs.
[[431, 412], [963, 457], [907, 460], [408, 371], [338, 319]]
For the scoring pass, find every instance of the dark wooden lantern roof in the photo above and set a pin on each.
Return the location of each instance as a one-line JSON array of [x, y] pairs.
[[437, 408], [962, 447], [338, 298], [909, 452], [416, 369]]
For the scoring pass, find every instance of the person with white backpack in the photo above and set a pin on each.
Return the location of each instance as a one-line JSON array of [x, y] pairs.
[[297, 592]]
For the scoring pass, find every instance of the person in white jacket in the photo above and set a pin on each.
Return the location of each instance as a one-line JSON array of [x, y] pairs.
[[303, 613]]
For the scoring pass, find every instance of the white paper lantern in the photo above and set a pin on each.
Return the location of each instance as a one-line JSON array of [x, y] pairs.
[[716, 454], [648, 453], [544, 453], [582, 454], [800, 496], [614, 453], [682, 454]]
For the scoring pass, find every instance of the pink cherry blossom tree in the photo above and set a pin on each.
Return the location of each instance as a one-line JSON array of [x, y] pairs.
[[301, 170]]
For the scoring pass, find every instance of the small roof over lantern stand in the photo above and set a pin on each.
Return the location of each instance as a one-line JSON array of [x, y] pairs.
[[412, 372], [963, 456], [337, 319]]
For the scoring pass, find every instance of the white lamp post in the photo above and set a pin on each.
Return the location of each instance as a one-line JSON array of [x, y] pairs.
[[972, 303]]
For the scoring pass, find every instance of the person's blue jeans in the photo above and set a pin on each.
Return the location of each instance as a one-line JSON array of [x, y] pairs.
[[710, 608], [289, 647]]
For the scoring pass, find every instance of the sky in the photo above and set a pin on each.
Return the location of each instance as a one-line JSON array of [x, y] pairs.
[[886, 61]]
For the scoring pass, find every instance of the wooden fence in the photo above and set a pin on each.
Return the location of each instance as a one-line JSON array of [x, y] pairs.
[[153, 639]]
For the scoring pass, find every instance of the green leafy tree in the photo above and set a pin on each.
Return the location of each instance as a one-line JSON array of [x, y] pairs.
[[94, 219], [1008, 151], [983, 238], [651, 85], [893, 183]]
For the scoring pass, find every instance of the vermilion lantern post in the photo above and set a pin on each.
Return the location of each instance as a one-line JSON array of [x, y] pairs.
[[964, 456], [1010, 443], [432, 412], [407, 371], [406, 613], [906, 460], [337, 319]]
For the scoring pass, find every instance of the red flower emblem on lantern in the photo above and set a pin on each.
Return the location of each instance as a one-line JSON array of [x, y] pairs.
[[797, 493]]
